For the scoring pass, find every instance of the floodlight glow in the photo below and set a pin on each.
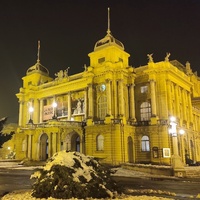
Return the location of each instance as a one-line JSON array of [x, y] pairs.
[[31, 109], [181, 131], [54, 104], [172, 119]]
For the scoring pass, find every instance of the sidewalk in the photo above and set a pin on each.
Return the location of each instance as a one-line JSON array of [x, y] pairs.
[[118, 171]]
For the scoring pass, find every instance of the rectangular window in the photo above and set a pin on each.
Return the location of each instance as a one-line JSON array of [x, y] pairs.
[[166, 152], [144, 89], [100, 60], [145, 146], [120, 59]]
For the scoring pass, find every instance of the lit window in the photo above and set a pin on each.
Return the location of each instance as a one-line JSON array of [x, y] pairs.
[[100, 143], [145, 111], [144, 89], [120, 59], [145, 143], [102, 107], [100, 60]]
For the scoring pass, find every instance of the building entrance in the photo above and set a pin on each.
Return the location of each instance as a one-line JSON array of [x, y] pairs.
[[44, 149]]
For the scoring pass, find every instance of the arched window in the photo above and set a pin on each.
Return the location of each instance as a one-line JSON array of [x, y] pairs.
[[102, 107], [145, 143], [145, 111], [100, 143]]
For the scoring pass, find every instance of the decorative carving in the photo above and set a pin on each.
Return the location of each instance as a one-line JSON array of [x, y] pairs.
[[62, 74], [85, 67], [167, 57], [59, 74], [150, 57]]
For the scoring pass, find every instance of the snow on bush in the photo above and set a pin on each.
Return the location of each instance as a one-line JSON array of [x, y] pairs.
[[73, 175]]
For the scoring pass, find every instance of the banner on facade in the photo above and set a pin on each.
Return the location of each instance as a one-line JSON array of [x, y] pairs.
[[48, 112]]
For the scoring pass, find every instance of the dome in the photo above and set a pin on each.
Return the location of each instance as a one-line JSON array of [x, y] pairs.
[[107, 41], [37, 68]]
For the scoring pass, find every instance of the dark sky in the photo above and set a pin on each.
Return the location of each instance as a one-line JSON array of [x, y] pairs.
[[69, 29]]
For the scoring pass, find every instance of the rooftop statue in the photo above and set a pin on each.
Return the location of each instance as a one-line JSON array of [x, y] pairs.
[[167, 57], [150, 57], [62, 74], [59, 74]]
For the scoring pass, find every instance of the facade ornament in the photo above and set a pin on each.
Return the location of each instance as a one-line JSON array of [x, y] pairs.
[[85, 67], [188, 68], [150, 57], [62, 74], [59, 75], [66, 72], [167, 57]]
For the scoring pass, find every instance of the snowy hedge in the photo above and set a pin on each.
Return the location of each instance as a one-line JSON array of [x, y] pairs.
[[72, 174]]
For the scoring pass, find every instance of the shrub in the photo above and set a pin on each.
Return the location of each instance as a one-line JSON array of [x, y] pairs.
[[71, 174]]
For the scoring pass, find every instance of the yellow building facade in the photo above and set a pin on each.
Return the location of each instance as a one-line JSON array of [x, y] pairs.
[[111, 110]]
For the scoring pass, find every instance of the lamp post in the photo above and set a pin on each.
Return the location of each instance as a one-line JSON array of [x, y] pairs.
[[31, 109], [54, 105], [177, 163]]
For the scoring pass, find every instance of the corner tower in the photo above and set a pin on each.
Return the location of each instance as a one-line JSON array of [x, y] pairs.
[[108, 49], [109, 64]]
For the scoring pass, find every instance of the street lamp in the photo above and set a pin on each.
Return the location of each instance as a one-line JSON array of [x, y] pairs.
[[31, 109], [177, 163], [54, 105]]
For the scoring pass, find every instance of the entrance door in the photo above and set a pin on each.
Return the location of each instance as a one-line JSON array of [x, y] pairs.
[[44, 147], [130, 149], [75, 142]]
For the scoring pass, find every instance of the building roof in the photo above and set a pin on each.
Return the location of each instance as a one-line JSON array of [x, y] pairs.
[[108, 40], [37, 68]]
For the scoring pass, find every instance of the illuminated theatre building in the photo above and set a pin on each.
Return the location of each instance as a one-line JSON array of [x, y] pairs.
[[111, 110]]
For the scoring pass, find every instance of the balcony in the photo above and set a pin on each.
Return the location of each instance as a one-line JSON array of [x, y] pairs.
[[53, 123]]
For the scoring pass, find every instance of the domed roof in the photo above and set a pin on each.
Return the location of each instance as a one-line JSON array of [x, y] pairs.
[[107, 41], [37, 68]]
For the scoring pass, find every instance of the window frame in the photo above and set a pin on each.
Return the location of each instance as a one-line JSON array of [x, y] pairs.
[[145, 143]]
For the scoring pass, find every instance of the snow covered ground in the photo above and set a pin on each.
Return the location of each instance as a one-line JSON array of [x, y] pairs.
[[145, 194], [26, 194]]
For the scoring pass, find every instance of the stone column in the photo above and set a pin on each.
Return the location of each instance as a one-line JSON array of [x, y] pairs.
[[20, 113], [190, 107], [54, 142], [121, 98], [132, 101], [115, 89], [169, 97], [85, 103], [184, 105], [153, 97], [69, 109], [50, 145], [108, 94], [30, 147], [36, 111], [41, 110], [91, 101], [177, 105]]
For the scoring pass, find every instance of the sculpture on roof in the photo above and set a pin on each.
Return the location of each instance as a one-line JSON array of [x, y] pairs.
[[66, 72], [59, 74], [150, 57], [85, 67], [167, 57], [62, 74]]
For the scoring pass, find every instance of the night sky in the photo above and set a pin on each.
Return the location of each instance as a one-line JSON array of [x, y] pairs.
[[69, 29]]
